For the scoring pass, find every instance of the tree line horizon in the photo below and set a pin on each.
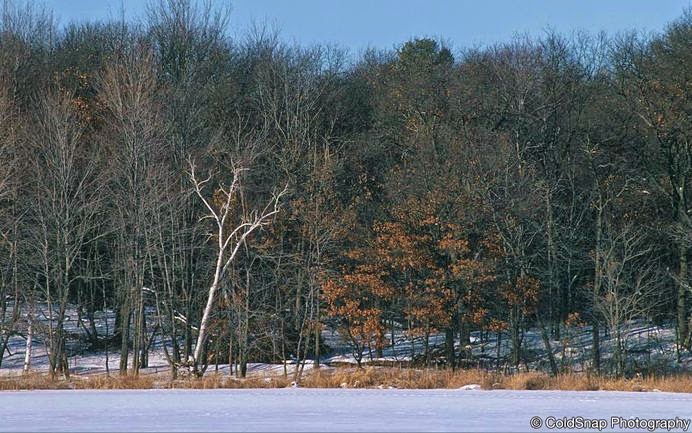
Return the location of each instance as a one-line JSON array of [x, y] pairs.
[[232, 197]]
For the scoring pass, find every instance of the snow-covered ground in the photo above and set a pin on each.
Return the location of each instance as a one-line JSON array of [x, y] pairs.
[[649, 348], [324, 409]]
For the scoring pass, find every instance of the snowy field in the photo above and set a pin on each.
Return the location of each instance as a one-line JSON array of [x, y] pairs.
[[323, 409]]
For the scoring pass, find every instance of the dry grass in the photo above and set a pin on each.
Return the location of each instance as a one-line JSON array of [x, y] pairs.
[[429, 379], [370, 377], [44, 381], [672, 383], [385, 377], [31, 381], [114, 382], [215, 381]]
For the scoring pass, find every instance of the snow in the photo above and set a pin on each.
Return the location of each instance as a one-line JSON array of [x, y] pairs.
[[321, 409], [650, 347]]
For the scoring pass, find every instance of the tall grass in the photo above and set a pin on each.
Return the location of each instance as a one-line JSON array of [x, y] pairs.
[[370, 377]]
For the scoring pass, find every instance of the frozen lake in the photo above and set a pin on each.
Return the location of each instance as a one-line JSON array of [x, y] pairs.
[[321, 409]]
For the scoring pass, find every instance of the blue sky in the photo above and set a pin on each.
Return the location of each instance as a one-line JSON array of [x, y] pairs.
[[357, 24]]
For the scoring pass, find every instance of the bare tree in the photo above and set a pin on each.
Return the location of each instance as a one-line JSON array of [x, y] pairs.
[[127, 90], [9, 181], [231, 232], [652, 76], [629, 283], [66, 201]]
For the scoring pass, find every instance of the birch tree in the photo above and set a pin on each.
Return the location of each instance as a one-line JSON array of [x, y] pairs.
[[230, 231]]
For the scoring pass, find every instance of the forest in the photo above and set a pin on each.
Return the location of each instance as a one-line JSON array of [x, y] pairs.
[[233, 197]]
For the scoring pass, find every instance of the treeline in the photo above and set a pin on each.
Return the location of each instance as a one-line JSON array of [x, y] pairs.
[[232, 197]]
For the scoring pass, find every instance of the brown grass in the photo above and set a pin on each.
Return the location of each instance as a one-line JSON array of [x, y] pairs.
[[385, 377], [428, 379], [31, 381], [114, 382], [44, 381], [370, 377], [215, 381]]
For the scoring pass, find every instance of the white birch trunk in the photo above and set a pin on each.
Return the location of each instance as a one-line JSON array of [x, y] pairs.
[[229, 242], [29, 344]]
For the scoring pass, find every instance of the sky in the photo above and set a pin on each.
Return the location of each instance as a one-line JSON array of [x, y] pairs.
[[359, 24]]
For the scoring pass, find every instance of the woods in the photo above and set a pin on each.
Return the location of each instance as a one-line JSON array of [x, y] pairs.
[[229, 199]]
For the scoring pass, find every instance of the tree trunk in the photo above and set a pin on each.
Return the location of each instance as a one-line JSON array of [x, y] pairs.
[[144, 352], [555, 290], [514, 336], [548, 348], [137, 336], [124, 338], [596, 348], [498, 350], [202, 336], [29, 343], [318, 331], [449, 347], [683, 330]]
